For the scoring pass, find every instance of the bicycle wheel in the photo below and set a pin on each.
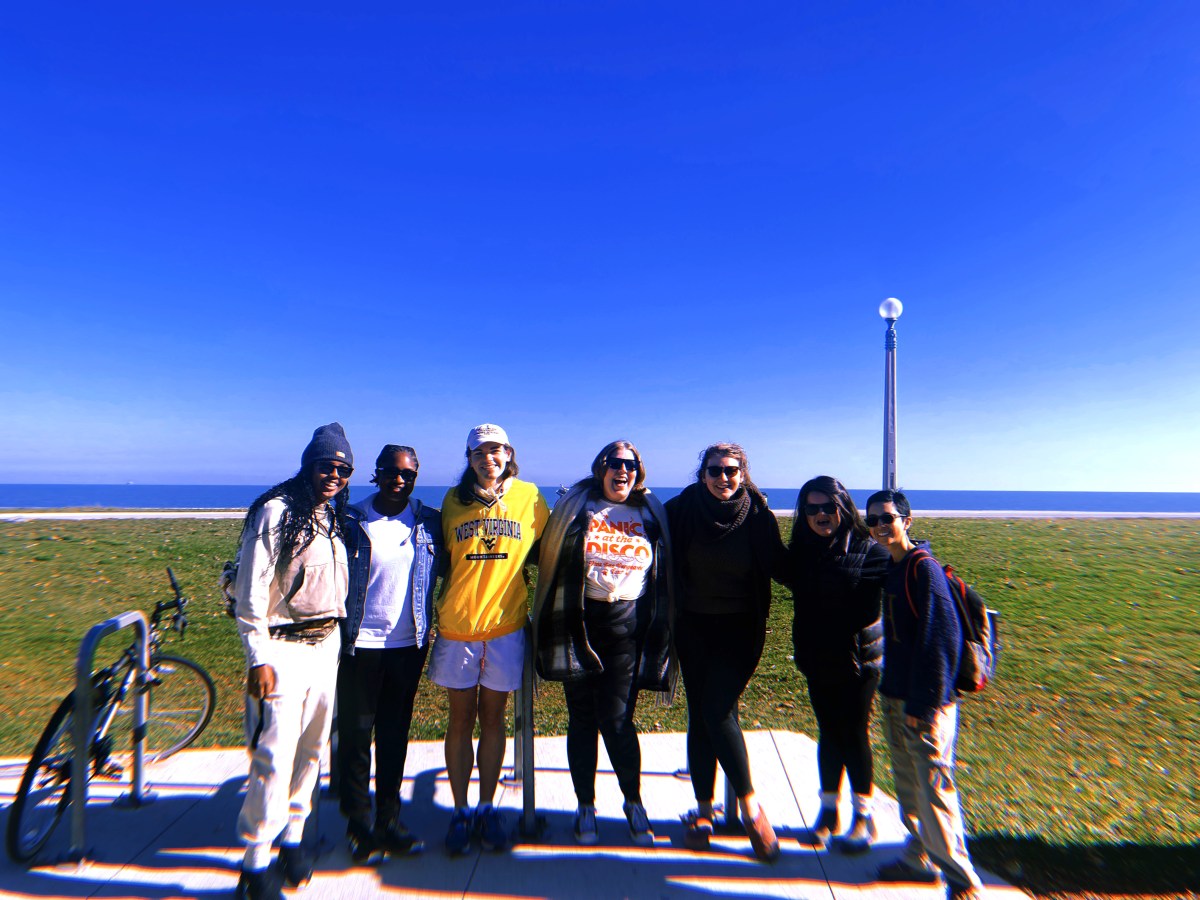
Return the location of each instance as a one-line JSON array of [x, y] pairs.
[[45, 787], [182, 697]]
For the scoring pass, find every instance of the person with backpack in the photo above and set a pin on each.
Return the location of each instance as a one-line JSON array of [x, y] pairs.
[[289, 594], [837, 642], [921, 653], [395, 547]]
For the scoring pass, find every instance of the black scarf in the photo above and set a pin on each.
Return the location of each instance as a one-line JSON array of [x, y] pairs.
[[703, 515]]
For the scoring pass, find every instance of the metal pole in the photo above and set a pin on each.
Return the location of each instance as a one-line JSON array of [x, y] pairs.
[[84, 721], [889, 407]]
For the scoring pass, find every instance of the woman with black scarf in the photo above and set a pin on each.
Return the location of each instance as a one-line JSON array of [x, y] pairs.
[[727, 549], [837, 636]]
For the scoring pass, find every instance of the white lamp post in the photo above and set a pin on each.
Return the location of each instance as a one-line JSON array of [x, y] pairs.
[[889, 309]]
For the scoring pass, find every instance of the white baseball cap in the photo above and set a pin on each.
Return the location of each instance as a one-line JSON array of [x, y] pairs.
[[485, 434]]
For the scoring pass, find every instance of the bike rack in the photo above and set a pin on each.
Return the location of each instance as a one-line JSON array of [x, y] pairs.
[[82, 726], [523, 761]]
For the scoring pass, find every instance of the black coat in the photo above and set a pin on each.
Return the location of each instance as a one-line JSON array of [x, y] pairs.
[[837, 628]]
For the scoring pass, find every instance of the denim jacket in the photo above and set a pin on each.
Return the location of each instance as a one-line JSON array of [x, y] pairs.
[[429, 561]]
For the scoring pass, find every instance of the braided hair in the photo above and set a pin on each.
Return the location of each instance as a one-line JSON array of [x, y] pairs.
[[296, 529]]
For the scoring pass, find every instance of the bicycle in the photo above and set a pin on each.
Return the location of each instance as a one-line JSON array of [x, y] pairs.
[[181, 700]]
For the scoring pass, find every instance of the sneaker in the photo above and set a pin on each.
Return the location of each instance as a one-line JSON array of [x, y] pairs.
[[899, 870], [395, 839], [762, 838], [295, 864], [860, 836], [586, 831], [699, 830], [260, 884], [826, 826], [640, 831], [458, 838], [364, 849], [492, 833]]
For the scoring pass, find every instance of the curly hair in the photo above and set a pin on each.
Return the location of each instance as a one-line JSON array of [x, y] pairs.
[[295, 530], [736, 451]]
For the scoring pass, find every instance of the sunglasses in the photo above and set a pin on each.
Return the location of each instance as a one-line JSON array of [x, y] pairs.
[[718, 471], [811, 509], [328, 468], [884, 519], [617, 463], [389, 472]]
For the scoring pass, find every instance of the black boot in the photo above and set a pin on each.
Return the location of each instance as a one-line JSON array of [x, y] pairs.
[[260, 884], [295, 864], [826, 826]]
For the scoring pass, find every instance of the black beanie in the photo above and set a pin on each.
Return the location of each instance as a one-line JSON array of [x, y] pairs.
[[328, 442]]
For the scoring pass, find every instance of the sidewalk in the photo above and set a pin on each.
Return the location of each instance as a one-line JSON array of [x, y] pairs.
[[183, 844]]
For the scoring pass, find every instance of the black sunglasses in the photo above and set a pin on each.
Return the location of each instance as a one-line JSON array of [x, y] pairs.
[[389, 472], [617, 463], [884, 518], [718, 471], [811, 509], [332, 468]]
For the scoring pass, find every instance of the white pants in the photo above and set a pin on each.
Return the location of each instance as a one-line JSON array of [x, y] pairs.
[[286, 736]]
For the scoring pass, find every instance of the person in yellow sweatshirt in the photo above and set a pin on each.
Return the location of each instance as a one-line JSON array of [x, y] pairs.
[[491, 521]]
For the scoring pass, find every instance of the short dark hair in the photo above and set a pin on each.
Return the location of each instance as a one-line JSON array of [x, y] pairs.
[[896, 498], [391, 449]]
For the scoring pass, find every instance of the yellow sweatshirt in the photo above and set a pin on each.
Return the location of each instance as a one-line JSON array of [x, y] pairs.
[[485, 596]]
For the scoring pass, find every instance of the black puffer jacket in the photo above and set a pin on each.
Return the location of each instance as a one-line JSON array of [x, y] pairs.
[[837, 628]]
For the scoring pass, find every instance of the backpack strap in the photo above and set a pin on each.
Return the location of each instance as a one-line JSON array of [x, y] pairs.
[[910, 572]]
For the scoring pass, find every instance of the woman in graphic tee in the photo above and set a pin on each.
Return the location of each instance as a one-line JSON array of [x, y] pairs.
[[602, 622]]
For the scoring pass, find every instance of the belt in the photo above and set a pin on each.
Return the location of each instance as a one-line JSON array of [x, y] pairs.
[[311, 631]]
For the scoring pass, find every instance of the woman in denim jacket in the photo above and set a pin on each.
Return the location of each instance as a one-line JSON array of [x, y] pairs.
[[394, 546]]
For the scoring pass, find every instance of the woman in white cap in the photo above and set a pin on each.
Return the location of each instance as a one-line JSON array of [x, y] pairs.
[[490, 523], [290, 592]]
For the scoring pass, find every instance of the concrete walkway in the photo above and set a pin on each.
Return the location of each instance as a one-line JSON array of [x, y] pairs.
[[183, 844]]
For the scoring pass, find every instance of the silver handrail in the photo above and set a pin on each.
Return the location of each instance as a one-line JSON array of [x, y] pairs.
[[81, 732]]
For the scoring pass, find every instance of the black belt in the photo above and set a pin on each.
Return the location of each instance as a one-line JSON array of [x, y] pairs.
[[310, 631]]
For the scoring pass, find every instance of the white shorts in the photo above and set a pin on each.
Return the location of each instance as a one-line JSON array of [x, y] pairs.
[[496, 664]]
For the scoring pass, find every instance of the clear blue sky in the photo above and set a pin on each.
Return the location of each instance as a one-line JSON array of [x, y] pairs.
[[224, 224]]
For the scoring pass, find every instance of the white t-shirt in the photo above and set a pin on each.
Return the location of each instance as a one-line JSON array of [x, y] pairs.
[[616, 555], [388, 617]]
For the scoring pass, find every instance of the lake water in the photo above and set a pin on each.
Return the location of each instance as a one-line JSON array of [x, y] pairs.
[[205, 496]]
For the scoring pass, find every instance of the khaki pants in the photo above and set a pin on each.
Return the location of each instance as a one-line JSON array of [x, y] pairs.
[[286, 736], [923, 768]]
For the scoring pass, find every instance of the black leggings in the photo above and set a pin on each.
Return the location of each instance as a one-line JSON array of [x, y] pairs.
[[375, 692], [604, 704], [843, 711], [717, 657]]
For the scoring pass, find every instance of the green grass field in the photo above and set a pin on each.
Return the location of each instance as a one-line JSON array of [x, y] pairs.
[[1078, 768]]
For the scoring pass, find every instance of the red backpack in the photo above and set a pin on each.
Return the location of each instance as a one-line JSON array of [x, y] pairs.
[[980, 628]]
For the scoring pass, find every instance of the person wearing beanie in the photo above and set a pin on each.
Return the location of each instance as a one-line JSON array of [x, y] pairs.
[[491, 522], [837, 642], [290, 593]]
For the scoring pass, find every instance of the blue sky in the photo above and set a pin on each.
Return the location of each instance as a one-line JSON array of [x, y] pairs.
[[224, 224]]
